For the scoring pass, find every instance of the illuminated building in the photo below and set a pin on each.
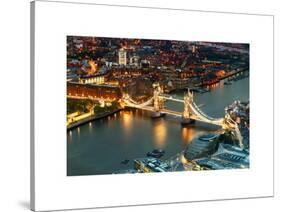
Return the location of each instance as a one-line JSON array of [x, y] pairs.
[[95, 79], [93, 67], [93, 91], [129, 72], [122, 57]]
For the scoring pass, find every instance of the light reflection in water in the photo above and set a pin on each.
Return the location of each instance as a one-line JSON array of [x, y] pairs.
[[78, 133], [90, 128], [160, 133], [126, 120], [188, 133], [108, 121], [70, 136]]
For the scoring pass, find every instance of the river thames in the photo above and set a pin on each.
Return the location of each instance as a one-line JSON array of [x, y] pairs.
[[100, 146]]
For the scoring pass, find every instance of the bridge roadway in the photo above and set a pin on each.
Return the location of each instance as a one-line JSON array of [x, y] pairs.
[[197, 116], [197, 113], [166, 111], [171, 98]]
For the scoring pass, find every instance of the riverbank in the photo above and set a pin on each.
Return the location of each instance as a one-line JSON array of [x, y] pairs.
[[203, 87], [233, 75], [91, 118]]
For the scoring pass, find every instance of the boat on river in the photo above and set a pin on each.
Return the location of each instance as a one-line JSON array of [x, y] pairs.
[[156, 153]]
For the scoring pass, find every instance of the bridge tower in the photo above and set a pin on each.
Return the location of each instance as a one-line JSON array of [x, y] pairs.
[[187, 112], [157, 101]]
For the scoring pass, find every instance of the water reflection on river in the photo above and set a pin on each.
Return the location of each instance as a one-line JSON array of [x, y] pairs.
[[99, 147]]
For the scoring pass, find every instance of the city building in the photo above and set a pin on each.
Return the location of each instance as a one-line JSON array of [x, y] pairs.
[[226, 157], [201, 147], [122, 57], [93, 91], [127, 72], [94, 79]]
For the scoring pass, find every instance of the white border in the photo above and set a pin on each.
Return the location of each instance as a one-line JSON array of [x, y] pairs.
[[53, 190]]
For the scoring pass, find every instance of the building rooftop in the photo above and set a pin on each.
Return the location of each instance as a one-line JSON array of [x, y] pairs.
[[226, 157]]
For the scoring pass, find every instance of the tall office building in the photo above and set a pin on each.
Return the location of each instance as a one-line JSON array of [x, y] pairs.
[[122, 57]]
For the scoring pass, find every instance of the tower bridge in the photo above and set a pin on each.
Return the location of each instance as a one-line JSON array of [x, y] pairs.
[[190, 114]]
